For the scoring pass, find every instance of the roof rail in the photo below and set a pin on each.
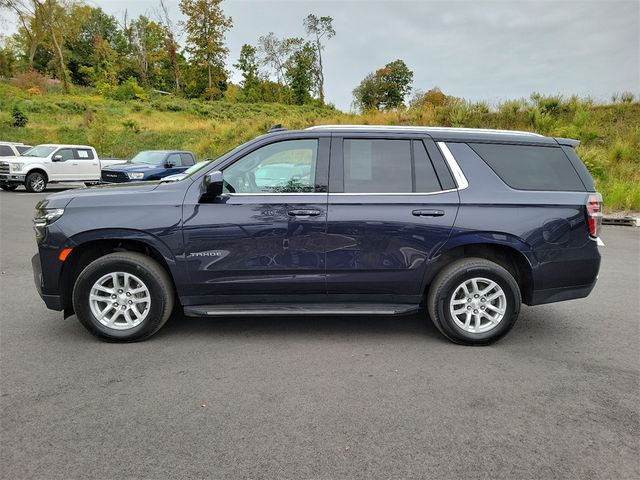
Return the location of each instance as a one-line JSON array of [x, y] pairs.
[[276, 128], [423, 129]]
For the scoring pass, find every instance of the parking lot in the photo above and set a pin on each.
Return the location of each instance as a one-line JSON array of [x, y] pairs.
[[320, 398]]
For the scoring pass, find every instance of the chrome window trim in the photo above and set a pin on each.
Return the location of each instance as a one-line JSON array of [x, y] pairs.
[[457, 172], [395, 194], [268, 194]]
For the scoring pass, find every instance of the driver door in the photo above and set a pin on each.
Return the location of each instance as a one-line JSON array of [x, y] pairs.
[[64, 169], [266, 234]]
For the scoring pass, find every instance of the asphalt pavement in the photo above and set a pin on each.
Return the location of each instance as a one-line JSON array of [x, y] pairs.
[[320, 398]]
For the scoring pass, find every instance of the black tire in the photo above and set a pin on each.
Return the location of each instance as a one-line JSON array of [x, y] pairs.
[[450, 278], [35, 182], [8, 188], [146, 269]]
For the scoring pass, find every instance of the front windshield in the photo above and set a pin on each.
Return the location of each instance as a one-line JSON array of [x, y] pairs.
[[149, 158], [194, 168], [41, 151]]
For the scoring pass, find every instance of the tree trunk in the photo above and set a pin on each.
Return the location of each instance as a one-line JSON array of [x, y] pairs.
[[63, 69], [320, 72], [209, 72]]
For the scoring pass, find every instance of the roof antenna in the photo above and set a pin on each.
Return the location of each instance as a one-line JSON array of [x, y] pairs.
[[276, 128]]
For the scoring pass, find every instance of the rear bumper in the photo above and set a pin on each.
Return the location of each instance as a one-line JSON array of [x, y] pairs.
[[52, 301], [552, 295]]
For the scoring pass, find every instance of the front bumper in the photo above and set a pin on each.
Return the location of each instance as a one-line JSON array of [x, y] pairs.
[[12, 178], [53, 302]]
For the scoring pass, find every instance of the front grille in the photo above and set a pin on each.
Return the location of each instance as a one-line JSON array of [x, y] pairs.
[[114, 177], [4, 167]]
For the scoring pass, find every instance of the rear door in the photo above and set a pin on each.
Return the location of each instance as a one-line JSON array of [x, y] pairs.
[[86, 165], [388, 213]]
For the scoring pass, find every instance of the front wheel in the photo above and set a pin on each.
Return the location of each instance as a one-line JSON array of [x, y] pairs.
[[35, 182], [8, 188], [474, 301], [123, 296]]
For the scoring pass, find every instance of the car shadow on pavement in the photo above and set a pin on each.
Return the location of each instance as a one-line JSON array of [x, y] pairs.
[[309, 326]]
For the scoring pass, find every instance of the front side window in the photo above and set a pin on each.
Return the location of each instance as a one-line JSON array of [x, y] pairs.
[[377, 166], [282, 167], [65, 153], [174, 160]]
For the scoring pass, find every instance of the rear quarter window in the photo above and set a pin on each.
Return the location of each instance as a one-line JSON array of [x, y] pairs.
[[529, 167]]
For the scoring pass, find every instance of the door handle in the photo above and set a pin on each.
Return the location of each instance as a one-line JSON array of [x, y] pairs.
[[74, 164], [303, 213], [428, 213]]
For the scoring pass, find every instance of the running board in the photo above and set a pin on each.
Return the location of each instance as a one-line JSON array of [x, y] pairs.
[[224, 310]]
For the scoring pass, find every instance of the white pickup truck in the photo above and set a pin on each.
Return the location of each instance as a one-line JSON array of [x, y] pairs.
[[51, 163]]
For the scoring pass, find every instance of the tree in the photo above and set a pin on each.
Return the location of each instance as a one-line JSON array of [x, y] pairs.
[[319, 28], [302, 73], [205, 27], [170, 43], [31, 26], [147, 46], [275, 53], [55, 21], [384, 89], [248, 66]]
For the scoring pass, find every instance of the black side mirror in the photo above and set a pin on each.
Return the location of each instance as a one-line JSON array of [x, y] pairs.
[[56, 158], [169, 164], [213, 184]]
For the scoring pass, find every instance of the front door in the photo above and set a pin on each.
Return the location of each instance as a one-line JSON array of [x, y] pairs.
[[65, 168], [266, 233], [389, 213]]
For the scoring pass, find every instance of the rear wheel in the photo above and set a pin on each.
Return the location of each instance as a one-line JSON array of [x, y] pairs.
[[123, 297], [35, 182], [8, 188], [474, 301]]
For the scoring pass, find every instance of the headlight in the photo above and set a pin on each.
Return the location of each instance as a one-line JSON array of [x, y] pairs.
[[15, 167], [136, 175], [46, 216]]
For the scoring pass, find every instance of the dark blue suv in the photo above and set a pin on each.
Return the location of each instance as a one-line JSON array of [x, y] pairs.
[[332, 220]]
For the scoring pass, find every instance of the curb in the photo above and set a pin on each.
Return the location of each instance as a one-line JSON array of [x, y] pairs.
[[622, 221]]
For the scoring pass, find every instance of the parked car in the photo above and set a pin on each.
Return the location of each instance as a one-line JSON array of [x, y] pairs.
[[149, 165], [370, 221], [194, 168], [13, 149], [52, 163]]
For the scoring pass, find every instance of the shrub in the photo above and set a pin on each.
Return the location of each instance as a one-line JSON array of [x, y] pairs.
[[132, 125], [627, 97], [18, 116], [127, 90], [31, 81]]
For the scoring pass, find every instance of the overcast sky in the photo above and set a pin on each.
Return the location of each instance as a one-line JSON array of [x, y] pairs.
[[480, 50]]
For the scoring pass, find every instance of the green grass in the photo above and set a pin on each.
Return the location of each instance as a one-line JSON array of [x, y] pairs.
[[609, 134]]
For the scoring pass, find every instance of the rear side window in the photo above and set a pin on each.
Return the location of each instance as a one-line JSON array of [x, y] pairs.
[[84, 154], [21, 150], [187, 159], [527, 167], [377, 166], [426, 178], [6, 151]]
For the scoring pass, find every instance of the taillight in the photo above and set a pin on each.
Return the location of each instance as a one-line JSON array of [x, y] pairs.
[[594, 214]]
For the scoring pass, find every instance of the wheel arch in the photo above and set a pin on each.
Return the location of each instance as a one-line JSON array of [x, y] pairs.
[[510, 253], [37, 169], [92, 245]]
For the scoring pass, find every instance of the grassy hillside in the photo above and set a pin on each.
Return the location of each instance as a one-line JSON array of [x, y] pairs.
[[610, 134]]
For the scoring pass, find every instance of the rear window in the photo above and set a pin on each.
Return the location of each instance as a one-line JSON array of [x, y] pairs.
[[527, 167]]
